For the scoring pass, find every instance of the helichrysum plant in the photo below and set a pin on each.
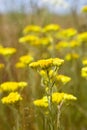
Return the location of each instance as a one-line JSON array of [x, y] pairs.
[[51, 103]]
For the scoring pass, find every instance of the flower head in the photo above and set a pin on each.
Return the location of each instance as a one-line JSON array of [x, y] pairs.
[[11, 98]]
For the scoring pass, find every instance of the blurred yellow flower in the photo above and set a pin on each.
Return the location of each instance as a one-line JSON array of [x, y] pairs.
[[74, 43], [82, 37], [26, 59], [32, 28], [11, 98], [71, 56], [2, 65], [51, 27], [6, 51], [84, 72], [62, 78], [84, 9], [12, 86], [62, 44], [29, 39], [84, 61], [20, 65]]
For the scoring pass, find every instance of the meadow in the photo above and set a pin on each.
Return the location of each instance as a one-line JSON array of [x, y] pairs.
[[43, 71]]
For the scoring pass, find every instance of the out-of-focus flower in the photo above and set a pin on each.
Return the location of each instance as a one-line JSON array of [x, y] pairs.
[[84, 72], [82, 37], [84, 61], [12, 86], [61, 45], [74, 43], [32, 28], [2, 66], [51, 27], [63, 79], [67, 33], [71, 56], [11, 98], [7, 51], [84, 9]]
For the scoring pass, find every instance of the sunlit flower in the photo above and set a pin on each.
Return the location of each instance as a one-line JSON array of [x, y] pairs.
[[74, 43], [41, 102], [20, 65], [11, 98], [84, 9], [62, 78], [2, 65], [84, 61], [12, 86], [26, 59], [6, 51], [46, 63], [84, 72], [82, 37], [29, 39], [62, 44], [32, 28], [51, 27], [71, 56]]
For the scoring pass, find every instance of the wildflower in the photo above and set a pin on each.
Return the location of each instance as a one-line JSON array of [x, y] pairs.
[[82, 37], [11, 98], [67, 33], [84, 72], [26, 59], [2, 65], [46, 40], [41, 102], [74, 43], [59, 97], [71, 56], [61, 45], [84, 9], [7, 51], [12, 86], [51, 27], [62, 78], [32, 28], [84, 61], [28, 39], [20, 65], [47, 63]]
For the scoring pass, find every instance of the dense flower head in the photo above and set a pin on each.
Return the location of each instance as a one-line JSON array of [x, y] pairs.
[[51, 27], [46, 63], [2, 65], [62, 44], [29, 39], [11, 98], [6, 51], [63, 79], [26, 59], [71, 56], [12, 86], [84, 9], [84, 61], [32, 28], [74, 43], [67, 33], [57, 98], [82, 37], [84, 72]]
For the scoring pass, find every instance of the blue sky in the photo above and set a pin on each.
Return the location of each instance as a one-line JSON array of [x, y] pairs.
[[8, 5]]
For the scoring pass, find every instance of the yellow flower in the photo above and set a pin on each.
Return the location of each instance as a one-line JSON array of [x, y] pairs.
[[61, 45], [46, 63], [7, 51], [62, 78], [2, 65], [41, 102], [74, 43], [84, 61], [12, 86], [51, 27], [71, 56], [26, 59], [59, 97], [11, 98], [32, 28], [82, 37], [20, 65], [45, 40], [67, 33], [28, 39], [84, 72], [84, 9]]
